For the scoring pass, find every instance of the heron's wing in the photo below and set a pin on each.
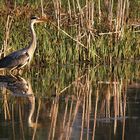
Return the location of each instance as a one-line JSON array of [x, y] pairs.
[[16, 59]]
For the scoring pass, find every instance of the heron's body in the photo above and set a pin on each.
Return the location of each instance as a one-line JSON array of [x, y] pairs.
[[15, 60], [20, 58]]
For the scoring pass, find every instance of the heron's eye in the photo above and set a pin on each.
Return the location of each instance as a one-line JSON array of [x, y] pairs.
[[34, 17]]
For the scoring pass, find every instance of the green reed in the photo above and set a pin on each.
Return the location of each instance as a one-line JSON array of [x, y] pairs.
[[90, 31]]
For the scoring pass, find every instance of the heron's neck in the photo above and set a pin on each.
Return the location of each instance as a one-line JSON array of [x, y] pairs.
[[32, 46], [32, 109]]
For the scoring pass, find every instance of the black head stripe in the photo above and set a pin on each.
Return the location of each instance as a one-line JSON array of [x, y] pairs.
[[34, 17]]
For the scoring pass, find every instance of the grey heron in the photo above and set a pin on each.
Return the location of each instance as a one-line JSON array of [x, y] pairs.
[[19, 58]]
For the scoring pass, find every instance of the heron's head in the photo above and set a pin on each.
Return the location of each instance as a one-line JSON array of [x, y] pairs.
[[35, 19]]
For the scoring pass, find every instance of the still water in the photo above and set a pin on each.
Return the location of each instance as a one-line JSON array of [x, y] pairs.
[[71, 103]]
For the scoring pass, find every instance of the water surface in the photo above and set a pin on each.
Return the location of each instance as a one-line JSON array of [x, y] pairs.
[[71, 103]]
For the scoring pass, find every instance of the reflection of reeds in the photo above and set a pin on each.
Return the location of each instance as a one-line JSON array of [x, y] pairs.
[[6, 106], [53, 115], [91, 101], [82, 98], [114, 90], [36, 121], [13, 121], [95, 114], [21, 122]]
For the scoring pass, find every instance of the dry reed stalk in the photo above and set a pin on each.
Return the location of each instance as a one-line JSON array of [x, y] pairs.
[[80, 27], [110, 17], [86, 10], [83, 116], [105, 104], [54, 119], [78, 5], [72, 117], [111, 27], [78, 38], [74, 9], [13, 122], [64, 119], [89, 107], [95, 114], [42, 9], [74, 82], [108, 82], [57, 8], [120, 21], [69, 11], [127, 9], [110, 33], [36, 121], [123, 12], [122, 18], [5, 112], [6, 106], [83, 90], [51, 115], [116, 100], [125, 15], [78, 102], [81, 13], [51, 110], [88, 20], [115, 124], [66, 110], [124, 111], [107, 96], [86, 112], [21, 122], [120, 98], [115, 114], [7, 32], [99, 10], [68, 129], [118, 104], [77, 90]]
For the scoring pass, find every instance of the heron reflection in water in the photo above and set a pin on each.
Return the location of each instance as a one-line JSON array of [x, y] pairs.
[[20, 88]]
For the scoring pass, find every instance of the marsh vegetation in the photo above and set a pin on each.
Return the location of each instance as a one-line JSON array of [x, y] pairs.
[[83, 83], [90, 31]]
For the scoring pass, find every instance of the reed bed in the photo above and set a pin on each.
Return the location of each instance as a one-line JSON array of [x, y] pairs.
[[85, 32]]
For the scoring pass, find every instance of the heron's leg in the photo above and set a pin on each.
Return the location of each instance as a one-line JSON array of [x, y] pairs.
[[13, 75], [11, 71], [19, 71]]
